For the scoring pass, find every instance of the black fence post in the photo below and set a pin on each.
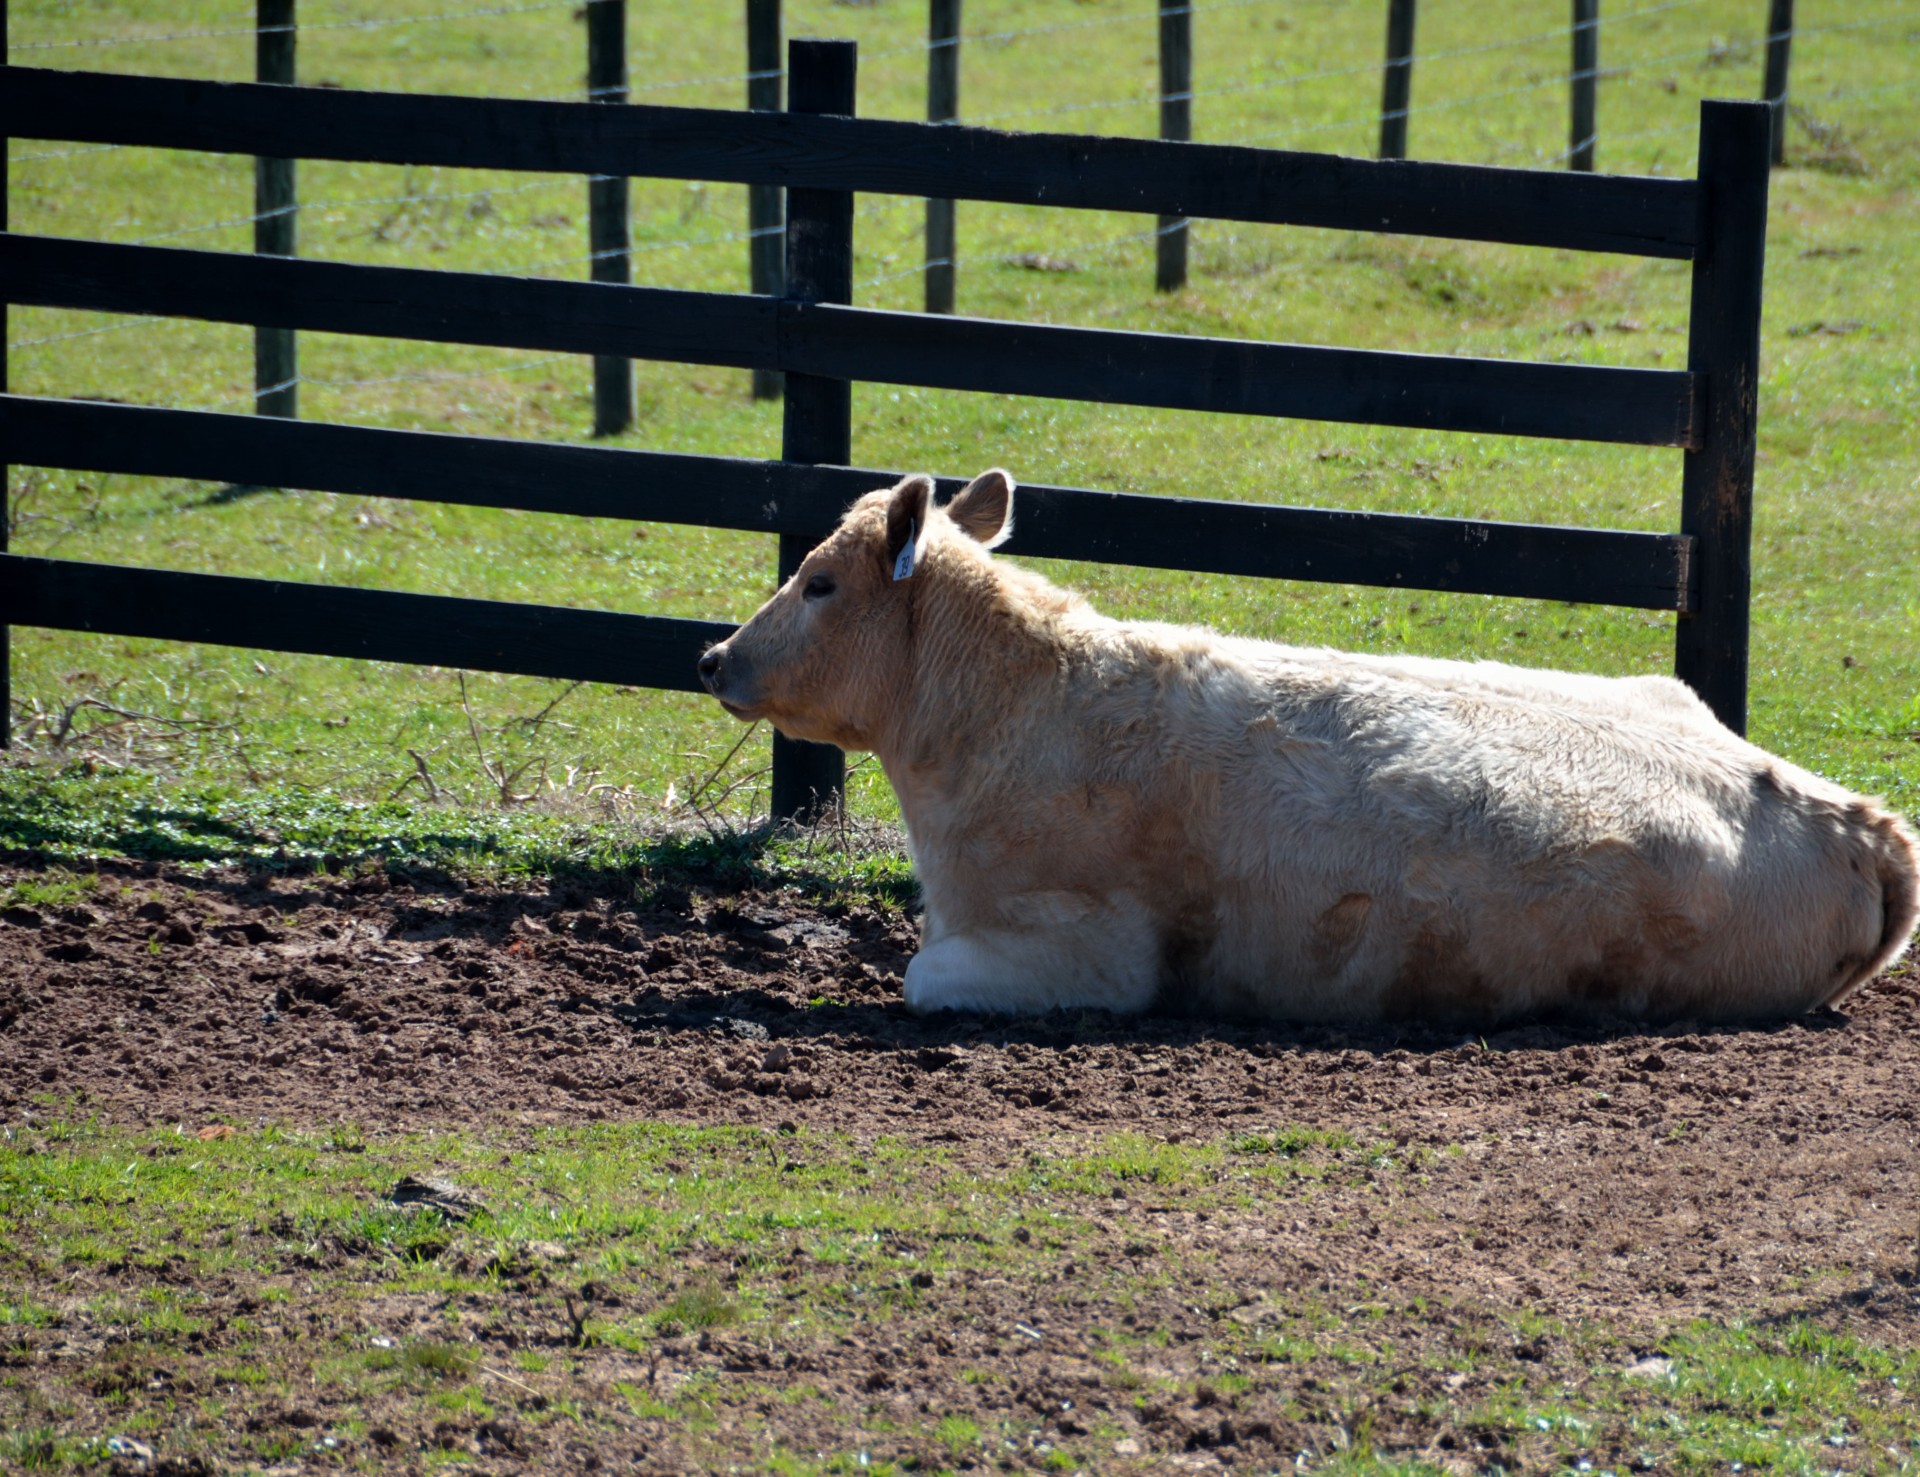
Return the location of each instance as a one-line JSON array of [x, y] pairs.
[[766, 246], [1774, 90], [1397, 89], [607, 238], [1176, 122], [808, 778], [1586, 82], [276, 381], [6, 473], [943, 106], [1710, 642]]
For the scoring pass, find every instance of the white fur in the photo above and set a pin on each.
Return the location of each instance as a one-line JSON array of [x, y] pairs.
[[1129, 814]]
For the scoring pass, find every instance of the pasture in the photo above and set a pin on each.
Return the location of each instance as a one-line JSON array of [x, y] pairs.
[[280, 931]]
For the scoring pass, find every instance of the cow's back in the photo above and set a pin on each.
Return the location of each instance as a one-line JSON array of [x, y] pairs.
[[1435, 839]]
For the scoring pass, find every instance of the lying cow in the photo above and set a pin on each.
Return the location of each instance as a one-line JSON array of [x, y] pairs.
[[1126, 815]]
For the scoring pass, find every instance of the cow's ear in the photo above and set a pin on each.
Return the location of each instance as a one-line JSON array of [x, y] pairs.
[[907, 523], [984, 508]]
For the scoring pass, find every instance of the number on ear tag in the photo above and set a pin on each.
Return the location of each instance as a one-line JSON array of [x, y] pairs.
[[909, 553]]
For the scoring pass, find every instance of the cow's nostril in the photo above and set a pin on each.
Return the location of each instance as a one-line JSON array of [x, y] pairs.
[[710, 667]]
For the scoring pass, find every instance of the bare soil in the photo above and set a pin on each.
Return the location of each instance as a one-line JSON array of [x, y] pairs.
[[1620, 1180]]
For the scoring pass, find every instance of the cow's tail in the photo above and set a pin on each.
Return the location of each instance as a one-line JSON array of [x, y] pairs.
[[1898, 861]]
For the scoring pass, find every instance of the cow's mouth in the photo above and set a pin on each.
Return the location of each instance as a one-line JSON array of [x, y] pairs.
[[745, 715]]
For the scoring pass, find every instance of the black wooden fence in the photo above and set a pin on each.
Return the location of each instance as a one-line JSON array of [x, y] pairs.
[[820, 155], [608, 230]]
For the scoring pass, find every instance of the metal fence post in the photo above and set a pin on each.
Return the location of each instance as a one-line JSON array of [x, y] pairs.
[[1774, 90], [607, 238], [6, 478], [766, 246], [1397, 87], [1586, 82], [943, 106], [276, 382], [1723, 351], [808, 779], [1176, 122]]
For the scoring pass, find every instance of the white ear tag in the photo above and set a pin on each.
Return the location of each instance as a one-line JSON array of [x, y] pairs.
[[909, 553]]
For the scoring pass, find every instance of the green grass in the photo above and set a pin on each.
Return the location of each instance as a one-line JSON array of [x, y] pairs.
[[56, 888], [1836, 674], [68, 815], [814, 1243], [668, 1233]]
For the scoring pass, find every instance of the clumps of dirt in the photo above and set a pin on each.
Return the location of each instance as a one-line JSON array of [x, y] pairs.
[[383, 1001], [1633, 1179]]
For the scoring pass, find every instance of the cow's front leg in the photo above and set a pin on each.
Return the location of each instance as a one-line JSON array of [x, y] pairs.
[[1022, 973]]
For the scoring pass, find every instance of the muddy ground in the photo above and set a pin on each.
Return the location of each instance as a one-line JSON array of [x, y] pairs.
[[1637, 1181]]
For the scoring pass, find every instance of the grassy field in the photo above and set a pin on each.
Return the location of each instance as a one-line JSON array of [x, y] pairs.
[[1836, 680]]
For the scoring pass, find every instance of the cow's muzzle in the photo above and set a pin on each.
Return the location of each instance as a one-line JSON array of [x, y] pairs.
[[719, 673], [713, 669]]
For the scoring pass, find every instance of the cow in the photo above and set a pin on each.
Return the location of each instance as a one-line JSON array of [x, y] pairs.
[[1126, 815]]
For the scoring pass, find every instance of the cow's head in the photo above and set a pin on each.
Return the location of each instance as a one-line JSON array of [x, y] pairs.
[[828, 658]]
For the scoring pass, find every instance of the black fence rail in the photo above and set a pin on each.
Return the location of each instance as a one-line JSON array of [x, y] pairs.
[[820, 155]]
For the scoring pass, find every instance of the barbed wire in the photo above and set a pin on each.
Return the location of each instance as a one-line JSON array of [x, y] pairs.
[[1367, 68], [1059, 254], [22, 345], [689, 243], [1841, 95], [876, 209], [354, 25], [63, 153], [426, 376], [1909, 14], [1612, 140]]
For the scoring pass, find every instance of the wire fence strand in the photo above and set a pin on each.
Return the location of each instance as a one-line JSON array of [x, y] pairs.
[[891, 224]]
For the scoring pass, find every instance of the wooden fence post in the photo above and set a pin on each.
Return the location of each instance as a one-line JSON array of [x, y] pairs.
[[1774, 90], [766, 246], [1586, 82], [808, 778], [1397, 89], [607, 237], [1176, 122], [943, 106], [276, 383], [1710, 642]]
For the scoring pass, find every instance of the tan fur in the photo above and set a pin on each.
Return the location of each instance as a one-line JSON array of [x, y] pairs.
[[1126, 815]]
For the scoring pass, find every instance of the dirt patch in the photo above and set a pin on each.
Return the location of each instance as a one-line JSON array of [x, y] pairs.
[[1637, 1181]]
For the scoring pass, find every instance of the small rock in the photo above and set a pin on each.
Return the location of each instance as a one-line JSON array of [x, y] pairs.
[[1651, 1368], [126, 1446], [444, 1196]]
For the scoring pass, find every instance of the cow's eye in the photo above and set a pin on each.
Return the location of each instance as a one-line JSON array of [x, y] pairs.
[[819, 587]]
